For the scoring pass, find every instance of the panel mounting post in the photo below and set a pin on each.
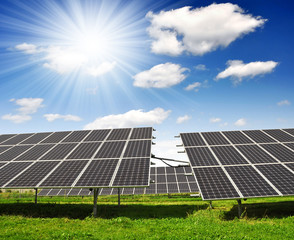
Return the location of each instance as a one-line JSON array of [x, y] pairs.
[[95, 202], [118, 196], [36, 195], [210, 204], [239, 208]]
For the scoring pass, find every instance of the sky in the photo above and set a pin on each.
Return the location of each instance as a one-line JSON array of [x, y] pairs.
[[178, 66]]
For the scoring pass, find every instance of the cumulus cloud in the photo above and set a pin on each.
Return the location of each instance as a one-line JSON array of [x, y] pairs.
[[238, 70], [131, 118], [200, 67], [160, 76], [192, 86], [27, 107], [215, 120], [182, 119], [101, 69], [240, 122], [199, 30], [284, 103], [52, 117], [27, 48]]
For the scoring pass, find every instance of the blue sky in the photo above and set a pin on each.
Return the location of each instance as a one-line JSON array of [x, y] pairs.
[[179, 66]]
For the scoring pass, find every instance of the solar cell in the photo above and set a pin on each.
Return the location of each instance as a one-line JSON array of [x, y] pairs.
[[4, 148], [193, 187], [161, 179], [170, 170], [290, 130], [142, 133], [290, 165], [160, 170], [74, 192], [44, 192], [280, 135], [228, 155], [237, 137], [119, 134], [87, 192], [255, 154], [201, 156], [76, 136], [188, 169], [63, 192], [192, 139], [56, 137], [33, 175], [184, 187], [97, 135], [128, 191], [14, 152], [279, 151], [249, 182], [65, 174], [111, 150], [290, 145], [16, 139], [171, 178], [35, 152], [279, 176], [59, 152], [98, 173], [54, 192], [152, 170], [214, 138], [138, 149], [214, 183], [179, 170], [4, 137], [2, 164], [172, 188], [36, 138], [133, 172], [106, 191], [11, 170], [161, 188], [258, 136], [182, 178], [84, 151]]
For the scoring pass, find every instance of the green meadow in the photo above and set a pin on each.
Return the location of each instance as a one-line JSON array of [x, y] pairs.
[[177, 216]]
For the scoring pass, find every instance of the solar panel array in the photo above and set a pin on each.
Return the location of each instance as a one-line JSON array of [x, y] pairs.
[[242, 164], [89, 158], [166, 180]]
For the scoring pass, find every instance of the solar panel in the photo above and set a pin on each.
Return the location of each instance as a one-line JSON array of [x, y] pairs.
[[111, 149], [84, 151], [214, 138], [36, 138], [214, 183], [142, 133], [279, 135], [56, 137], [138, 149], [237, 137], [16, 139], [119, 134], [228, 155], [290, 131], [35, 152], [76, 136], [59, 152], [192, 139], [282, 153], [258, 136], [3, 149], [201, 156], [14, 152], [251, 166], [97, 135], [5, 137]]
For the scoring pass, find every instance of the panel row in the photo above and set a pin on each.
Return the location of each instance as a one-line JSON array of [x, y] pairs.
[[137, 148], [240, 154], [237, 137], [76, 136], [245, 181], [81, 173]]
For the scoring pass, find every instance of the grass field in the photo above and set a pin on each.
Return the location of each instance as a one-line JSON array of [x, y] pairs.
[[144, 217]]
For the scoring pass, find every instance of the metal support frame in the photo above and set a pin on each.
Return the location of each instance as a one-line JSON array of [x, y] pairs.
[[239, 208], [36, 195], [118, 196], [210, 204], [95, 202]]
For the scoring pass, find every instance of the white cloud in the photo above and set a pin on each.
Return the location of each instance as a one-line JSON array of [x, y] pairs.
[[101, 69], [240, 122], [28, 106], [16, 118], [27, 48], [199, 30], [131, 118], [284, 103], [52, 117], [182, 119], [192, 86], [215, 120], [160, 76], [237, 70], [201, 67]]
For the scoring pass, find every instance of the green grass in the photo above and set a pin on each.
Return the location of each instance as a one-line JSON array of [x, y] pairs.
[[144, 217]]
